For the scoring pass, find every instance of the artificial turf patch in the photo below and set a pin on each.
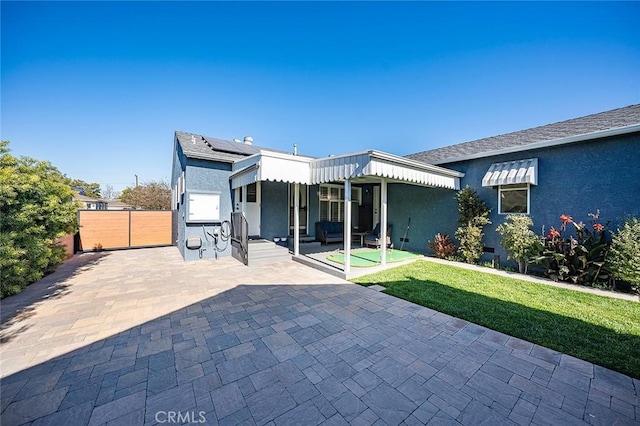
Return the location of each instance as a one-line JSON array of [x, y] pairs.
[[368, 258]]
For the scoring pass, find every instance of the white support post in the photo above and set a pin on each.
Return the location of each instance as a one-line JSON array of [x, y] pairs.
[[296, 219], [347, 226], [383, 221]]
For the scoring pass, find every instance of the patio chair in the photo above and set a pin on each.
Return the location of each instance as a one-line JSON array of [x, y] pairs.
[[373, 238]]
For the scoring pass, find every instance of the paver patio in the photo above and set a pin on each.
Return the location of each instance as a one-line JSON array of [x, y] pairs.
[[141, 337]]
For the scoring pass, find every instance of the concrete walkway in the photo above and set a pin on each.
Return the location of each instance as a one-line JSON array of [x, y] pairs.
[[141, 337]]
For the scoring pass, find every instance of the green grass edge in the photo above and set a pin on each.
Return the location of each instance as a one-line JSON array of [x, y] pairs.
[[598, 329]]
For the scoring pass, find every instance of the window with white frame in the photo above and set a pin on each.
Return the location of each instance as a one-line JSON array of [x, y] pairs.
[[332, 201], [513, 199]]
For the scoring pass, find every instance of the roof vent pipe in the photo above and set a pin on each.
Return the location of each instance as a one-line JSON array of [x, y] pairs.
[[295, 149], [237, 140], [248, 140], [193, 139]]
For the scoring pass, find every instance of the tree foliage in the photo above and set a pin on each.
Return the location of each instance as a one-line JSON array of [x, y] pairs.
[[474, 215], [150, 196], [470, 206], [519, 240], [36, 208], [625, 253], [89, 189], [470, 237]]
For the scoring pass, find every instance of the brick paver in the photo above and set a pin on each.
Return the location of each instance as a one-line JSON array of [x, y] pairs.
[[141, 337]]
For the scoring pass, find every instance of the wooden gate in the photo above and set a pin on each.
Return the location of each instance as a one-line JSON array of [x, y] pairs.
[[118, 229]]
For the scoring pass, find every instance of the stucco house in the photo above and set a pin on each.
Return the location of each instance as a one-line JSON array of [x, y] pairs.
[[574, 167], [90, 203]]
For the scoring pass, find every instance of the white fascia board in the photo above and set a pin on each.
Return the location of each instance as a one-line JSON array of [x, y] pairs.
[[245, 162], [403, 161], [285, 156], [544, 144]]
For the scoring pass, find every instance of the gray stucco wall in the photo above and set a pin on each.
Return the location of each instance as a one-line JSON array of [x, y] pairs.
[[314, 209], [179, 164], [573, 179], [274, 210], [210, 177], [431, 210]]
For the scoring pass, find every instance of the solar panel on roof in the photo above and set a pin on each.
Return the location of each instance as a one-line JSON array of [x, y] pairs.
[[230, 147]]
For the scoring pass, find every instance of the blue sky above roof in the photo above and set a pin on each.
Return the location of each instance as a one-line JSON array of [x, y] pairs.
[[99, 88]]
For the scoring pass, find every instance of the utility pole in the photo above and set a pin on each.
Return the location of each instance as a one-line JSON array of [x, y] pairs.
[[136, 180]]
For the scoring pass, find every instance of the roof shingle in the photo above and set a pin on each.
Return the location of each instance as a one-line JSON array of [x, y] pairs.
[[616, 118]]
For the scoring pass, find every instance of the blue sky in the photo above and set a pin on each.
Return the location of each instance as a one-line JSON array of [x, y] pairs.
[[99, 88]]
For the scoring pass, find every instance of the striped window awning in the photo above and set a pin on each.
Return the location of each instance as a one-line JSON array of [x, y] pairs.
[[512, 173]]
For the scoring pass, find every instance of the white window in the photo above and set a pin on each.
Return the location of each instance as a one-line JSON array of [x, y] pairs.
[[332, 202], [513, 199]]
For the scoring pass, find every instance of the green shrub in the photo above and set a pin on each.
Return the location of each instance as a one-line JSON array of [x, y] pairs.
[[520, 242], [474, 215], [36, 208], [624, 255], [470, 238]]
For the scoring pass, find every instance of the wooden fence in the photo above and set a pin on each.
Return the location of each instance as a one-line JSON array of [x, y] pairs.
[[118, 229]]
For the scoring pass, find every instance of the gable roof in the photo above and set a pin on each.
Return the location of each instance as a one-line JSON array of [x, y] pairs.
[[608, 123]]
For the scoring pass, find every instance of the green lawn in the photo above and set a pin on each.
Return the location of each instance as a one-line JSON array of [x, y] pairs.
[[598, 329]]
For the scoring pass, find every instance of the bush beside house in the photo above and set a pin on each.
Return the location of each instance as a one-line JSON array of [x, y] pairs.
[[36, 208], [519, 240], [474, 215], [624, 255]]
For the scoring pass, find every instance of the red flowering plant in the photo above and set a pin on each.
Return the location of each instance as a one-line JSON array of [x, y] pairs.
[[578, 258]]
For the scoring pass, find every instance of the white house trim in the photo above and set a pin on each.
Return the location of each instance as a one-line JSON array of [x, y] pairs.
[[271, 166], [279, 167], [380, 164]]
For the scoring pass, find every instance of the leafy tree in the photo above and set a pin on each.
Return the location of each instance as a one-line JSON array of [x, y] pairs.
[[625, 253], [470, 205], [474, 215], [89, 189], [36, 208], [520, 241], [150, 196]]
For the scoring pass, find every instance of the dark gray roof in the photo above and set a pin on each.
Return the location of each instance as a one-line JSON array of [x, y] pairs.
[[616, 118], [210, 148]]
